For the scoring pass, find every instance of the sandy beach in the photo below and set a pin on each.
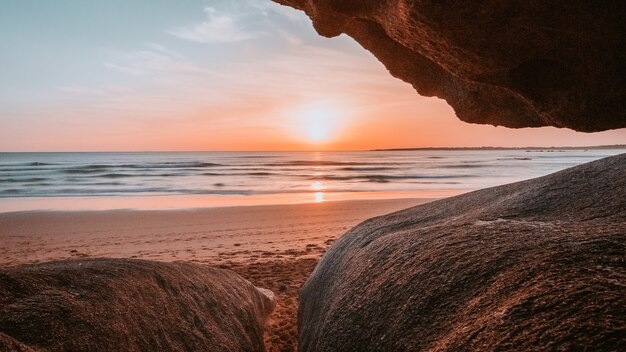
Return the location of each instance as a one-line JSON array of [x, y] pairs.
[[273, 246]]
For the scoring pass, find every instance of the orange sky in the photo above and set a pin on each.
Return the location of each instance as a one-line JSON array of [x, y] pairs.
[[214, 75]]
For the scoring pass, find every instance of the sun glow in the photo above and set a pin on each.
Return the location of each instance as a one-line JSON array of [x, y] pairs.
[[319, 123]]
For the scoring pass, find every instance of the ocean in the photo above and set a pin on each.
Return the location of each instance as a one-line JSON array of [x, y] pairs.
[[76, 181]]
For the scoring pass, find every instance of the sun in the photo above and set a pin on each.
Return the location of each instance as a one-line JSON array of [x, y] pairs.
[[319, 123]]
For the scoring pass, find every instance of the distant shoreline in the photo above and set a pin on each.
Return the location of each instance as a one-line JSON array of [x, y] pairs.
[[595, 147]]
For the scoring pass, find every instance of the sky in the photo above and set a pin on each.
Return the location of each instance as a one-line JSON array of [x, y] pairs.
[[154, 75]]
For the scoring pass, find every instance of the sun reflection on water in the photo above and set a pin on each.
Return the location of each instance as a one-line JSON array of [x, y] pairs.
[[317, 186]]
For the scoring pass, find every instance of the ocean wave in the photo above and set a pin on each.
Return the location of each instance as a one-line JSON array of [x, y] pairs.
[[374, 168], [76, 192], [34, 163], [116, 175], [12, 191], [103, 184], [174, 165], [80, 178], [257, 156], [96, 166], [125, 175], [80, 171], [463, 166], [22, 180], [239, 174], [27, 169], [325, 163], [147, 166], [382, 178]]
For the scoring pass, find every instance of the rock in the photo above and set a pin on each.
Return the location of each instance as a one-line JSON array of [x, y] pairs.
[[535, 265], [129, 305], [516, 64], [7, 343]]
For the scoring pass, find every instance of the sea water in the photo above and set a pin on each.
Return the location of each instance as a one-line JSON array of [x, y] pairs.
[[75, 181]]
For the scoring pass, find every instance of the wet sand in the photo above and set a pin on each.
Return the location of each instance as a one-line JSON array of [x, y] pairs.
[[273, 246]]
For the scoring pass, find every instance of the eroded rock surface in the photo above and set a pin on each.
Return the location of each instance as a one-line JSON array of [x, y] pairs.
[[535, 265], [511, 63], [129, 305]]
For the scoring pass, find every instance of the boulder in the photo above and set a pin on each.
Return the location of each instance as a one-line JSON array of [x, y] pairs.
[[535, 265], [129, 305], [511, 63]]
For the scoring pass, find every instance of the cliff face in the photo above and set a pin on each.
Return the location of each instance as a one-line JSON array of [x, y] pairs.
[[534, 265], [510, 63], [129, 305]]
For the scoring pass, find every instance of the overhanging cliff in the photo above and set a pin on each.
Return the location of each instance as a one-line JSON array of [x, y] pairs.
[[509, 63]]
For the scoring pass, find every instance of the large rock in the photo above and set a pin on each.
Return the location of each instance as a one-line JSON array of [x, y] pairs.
[[129, 305], [535, 265], [512, 63]]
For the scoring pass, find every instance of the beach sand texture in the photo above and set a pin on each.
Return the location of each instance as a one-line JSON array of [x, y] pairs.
[[275, 247]]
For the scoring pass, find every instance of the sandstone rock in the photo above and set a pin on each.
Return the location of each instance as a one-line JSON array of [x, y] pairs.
[[535, 265], [516, 64], [129, 305]]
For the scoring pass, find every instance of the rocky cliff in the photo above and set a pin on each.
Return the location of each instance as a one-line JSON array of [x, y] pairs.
[[511, 63]]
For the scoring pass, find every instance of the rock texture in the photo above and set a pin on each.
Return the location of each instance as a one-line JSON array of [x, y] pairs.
[[129, 305], [535, 265], [511, 63]]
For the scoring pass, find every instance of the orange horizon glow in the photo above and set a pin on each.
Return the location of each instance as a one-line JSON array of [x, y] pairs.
[[416, 122], [402, 120]]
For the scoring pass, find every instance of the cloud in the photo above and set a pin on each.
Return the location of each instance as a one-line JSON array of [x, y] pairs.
[[219, 27], [165, 50], [267, 7], [156, 59], [171, 83]]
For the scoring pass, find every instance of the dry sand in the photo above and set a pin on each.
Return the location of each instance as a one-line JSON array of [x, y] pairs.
[[274, 247]]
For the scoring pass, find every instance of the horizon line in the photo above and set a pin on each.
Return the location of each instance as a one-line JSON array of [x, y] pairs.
[[601, 146]]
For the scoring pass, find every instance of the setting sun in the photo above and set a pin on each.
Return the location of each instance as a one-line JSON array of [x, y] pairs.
[[319, 123]]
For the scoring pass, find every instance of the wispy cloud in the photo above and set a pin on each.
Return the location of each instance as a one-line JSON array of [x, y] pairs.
[[266, 7], [219, 27], [154, 59]]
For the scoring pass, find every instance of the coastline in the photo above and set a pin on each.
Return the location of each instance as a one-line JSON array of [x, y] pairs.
[[187, 202], [203, 235]]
